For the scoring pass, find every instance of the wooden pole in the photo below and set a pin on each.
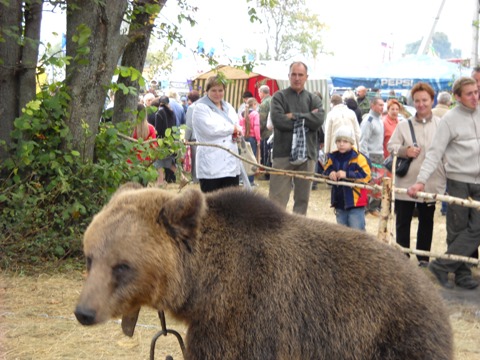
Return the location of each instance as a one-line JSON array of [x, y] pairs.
[[439, 256], [383, 233], [388, 196]]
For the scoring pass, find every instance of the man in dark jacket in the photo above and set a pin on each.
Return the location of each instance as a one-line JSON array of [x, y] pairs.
[[362, 100], [290, 106]]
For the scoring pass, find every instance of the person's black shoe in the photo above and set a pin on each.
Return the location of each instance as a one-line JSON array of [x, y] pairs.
[[442, 277], [467, 283]]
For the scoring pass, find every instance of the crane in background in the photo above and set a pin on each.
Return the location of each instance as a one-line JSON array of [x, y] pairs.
[[475, 25], [426, 41]]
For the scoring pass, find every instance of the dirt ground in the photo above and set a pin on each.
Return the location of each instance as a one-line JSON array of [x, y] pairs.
[[37, 321]]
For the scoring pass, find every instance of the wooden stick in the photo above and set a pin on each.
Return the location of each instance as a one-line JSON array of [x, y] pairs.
[[439, 256], [382, 234], [388, 196], [320, 178]]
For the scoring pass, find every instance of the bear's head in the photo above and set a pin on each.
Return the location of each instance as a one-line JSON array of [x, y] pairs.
[[134, 248]]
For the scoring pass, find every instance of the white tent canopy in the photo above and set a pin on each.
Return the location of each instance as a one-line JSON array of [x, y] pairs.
[[274, 70], [403, 74]]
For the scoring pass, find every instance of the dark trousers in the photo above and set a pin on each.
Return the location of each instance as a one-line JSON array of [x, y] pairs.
[[265, 153], [209, 185], [170, 176], [463, 229], [265, 158], [426, 211]]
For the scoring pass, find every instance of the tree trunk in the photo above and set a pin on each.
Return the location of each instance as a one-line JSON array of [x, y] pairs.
[[10, 60], [29, 56], [19, 54], [134, 56], [87, 81]]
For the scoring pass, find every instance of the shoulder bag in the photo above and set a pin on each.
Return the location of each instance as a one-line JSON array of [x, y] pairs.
[[245, 151], [403, 164]]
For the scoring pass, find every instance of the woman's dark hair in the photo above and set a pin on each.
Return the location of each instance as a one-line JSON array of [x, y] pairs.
[[193, 96], [215, 80], [164, 100]]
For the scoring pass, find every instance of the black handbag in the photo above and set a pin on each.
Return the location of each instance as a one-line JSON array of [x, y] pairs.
[[403, 164]]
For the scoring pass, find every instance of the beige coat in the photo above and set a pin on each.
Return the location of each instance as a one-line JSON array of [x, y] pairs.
[[440, 110], [340, 115], [401, 139]]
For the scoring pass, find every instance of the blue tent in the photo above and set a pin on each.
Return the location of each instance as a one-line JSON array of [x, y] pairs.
[[403, 74]]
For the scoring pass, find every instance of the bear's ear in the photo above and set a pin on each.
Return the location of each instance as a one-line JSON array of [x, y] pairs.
[[181, 216], [126, 187]]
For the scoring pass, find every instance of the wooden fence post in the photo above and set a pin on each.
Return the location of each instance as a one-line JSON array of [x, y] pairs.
[[383, 233]]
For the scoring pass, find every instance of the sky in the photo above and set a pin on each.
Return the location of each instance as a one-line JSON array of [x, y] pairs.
[[355, 31]]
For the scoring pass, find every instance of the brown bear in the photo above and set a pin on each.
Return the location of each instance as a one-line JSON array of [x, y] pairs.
[[252, 281]]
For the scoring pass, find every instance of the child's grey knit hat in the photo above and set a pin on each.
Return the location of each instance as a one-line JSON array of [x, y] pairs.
[[345, 133]]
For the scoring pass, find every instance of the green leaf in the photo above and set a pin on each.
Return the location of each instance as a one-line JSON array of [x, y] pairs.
[[125, 72], [123, 88]]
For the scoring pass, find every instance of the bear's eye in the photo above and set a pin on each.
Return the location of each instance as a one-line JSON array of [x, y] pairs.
[[120, 269], [122, 274]]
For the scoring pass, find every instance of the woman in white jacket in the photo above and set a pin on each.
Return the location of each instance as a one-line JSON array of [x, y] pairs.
[[216, 121]]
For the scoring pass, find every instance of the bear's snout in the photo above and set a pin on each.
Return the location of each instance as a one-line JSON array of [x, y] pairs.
[[85, 316]]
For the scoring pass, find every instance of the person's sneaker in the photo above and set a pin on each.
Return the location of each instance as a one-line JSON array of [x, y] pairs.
[[423, 263], [467, 283], [442, 277]]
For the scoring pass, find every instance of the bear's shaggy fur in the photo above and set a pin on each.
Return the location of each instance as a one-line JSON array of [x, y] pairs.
[[252, 281]]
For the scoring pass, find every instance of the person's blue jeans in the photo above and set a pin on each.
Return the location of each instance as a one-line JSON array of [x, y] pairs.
[[253, 144], [354, 217]]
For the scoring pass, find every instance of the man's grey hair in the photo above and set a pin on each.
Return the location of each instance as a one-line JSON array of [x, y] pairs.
[[298, 63], [444, 98], [374, 100], [264, 89]]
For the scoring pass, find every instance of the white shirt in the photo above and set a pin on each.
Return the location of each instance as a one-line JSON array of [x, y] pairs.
[[211, 127]]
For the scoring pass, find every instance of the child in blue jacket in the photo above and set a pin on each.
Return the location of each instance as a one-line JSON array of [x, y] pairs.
[[348, 164]]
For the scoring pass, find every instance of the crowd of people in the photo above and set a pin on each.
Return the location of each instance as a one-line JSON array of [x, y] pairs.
[[442, 143], [359, 132]]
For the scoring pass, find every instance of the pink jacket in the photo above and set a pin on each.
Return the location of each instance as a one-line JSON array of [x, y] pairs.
[[254, 118]]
